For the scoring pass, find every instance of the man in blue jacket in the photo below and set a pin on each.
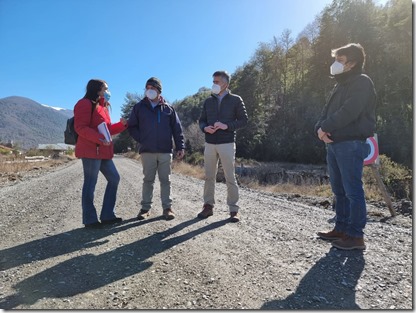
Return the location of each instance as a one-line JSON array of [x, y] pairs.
[[153, 123], [222, 114], [347, 120]]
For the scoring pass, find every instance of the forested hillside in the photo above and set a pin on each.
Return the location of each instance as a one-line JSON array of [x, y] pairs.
[[286, 82], [27, 123]]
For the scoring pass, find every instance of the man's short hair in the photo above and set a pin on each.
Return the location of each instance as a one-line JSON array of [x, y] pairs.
[[224, 75], [353, 51]]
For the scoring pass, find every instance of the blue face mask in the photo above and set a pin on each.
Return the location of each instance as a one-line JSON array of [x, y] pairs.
[[107, 95]]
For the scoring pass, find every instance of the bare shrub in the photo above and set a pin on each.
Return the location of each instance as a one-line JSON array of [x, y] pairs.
[[397, 179], [194, 137]]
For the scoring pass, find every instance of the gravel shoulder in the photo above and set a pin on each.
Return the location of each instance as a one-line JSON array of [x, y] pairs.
[[272, 259]]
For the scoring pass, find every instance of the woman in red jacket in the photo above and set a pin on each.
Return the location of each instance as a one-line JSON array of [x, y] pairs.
[[96, 152]]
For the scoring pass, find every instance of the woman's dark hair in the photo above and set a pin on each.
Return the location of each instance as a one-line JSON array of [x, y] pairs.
[[93, 87], [354, 52]]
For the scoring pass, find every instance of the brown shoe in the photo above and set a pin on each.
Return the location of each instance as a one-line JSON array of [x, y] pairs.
[[207, 210], [168, 214], [143, 214], [234, 217], [331, 235], [349, 243]]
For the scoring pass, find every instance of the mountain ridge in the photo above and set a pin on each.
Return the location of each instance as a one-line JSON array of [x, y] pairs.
[[28, 123]]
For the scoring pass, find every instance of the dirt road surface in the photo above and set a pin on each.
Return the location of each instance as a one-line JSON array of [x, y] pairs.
[[272, 259]]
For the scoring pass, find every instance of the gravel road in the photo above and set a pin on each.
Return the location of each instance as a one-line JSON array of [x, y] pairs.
[[272, 259]]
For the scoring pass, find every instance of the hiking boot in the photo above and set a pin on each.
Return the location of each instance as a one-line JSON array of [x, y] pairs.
[[234, 217], [349, 243], [115, 220], [168, 214], [143, 214], [331, 235], [207, 210]]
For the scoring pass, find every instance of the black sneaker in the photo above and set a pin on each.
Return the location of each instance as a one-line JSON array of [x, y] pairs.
[[112, 221], [94, 225]]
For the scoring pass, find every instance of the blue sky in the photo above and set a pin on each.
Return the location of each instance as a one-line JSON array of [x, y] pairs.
[[51, 48]]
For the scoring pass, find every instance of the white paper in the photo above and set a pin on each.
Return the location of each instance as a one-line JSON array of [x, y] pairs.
[[102, 129]]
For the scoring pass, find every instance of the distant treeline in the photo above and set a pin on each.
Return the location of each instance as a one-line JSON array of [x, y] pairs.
[[286, 82]]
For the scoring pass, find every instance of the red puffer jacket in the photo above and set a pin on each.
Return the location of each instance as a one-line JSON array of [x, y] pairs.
[[88, 143]]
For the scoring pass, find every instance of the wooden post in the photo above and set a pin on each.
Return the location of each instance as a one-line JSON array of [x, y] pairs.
[[383, 189]]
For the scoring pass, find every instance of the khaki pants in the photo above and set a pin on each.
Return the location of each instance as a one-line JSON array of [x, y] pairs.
[[226, 153], [152, 163]]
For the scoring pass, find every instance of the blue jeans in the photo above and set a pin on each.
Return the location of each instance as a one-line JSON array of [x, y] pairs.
[[345, 165], [91, 169]]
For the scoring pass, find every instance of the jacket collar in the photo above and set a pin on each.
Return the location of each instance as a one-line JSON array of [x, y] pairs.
[[161, 102], [346, 77], [227, 92]]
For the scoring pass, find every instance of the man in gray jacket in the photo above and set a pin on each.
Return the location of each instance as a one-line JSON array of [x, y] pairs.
[[222, 113]]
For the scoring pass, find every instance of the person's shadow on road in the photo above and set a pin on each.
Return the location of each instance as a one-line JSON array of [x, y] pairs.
[[329, 284], [60, 244], [88, 272]]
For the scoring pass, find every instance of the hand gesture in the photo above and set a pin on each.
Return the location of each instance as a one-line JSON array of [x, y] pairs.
[[219, 125], [123, 121], [210, 129], [180, 154]]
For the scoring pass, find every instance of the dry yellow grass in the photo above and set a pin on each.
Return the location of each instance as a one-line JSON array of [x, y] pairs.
[[286, 188], [15, 165], [12, 165], [187, 169], [132, 155], [371, 191], [310, 190]]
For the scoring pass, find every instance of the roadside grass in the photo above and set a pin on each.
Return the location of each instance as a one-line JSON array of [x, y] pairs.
[[12, 164], [187, 169], [289, 188], [397, 178], [15, 167]]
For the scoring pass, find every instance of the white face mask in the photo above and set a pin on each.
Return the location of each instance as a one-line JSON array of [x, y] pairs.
[[216, 89], [336, 68], [151, 94]]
